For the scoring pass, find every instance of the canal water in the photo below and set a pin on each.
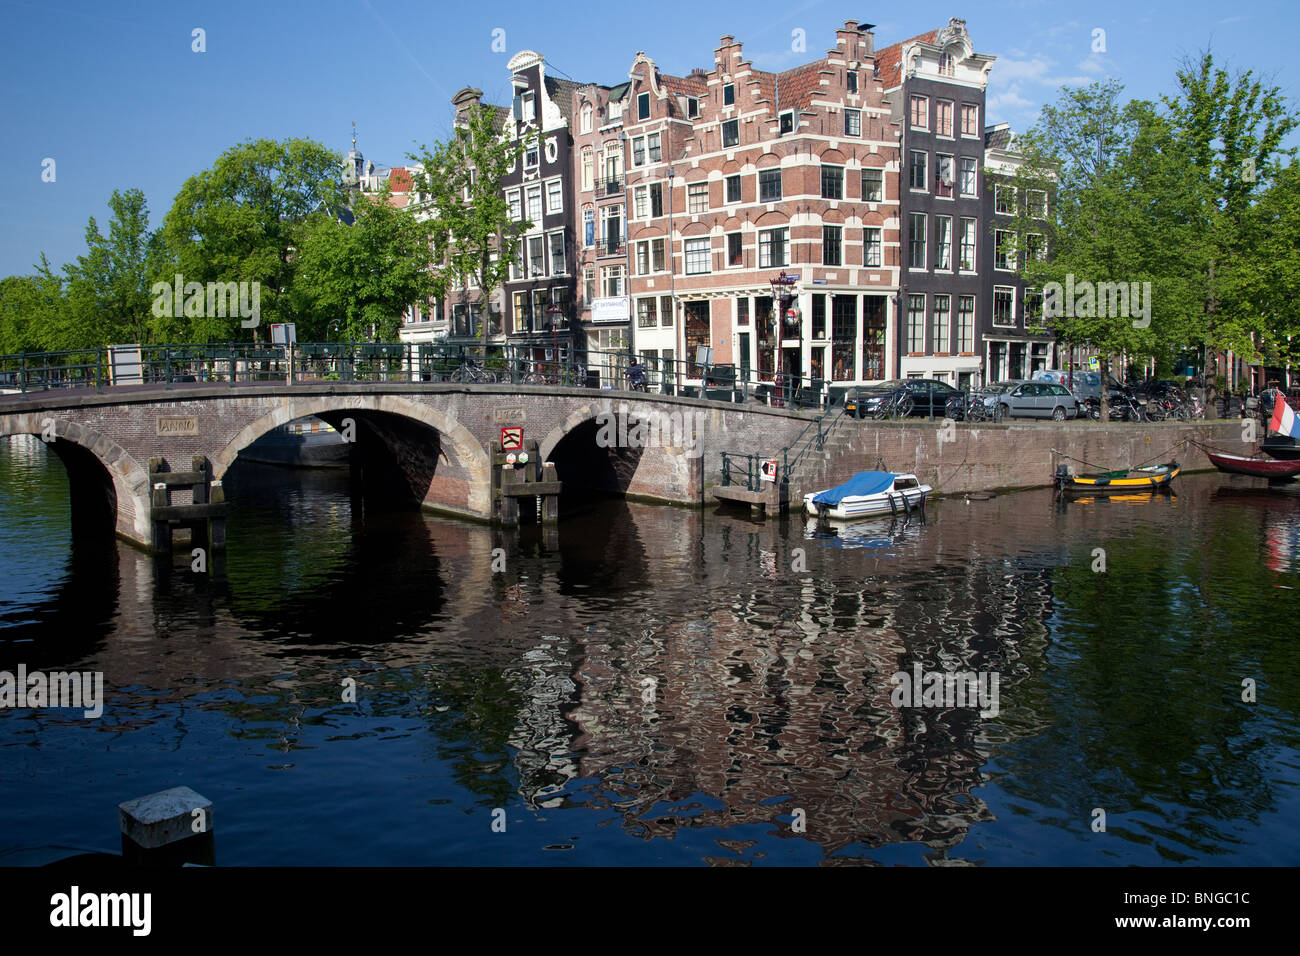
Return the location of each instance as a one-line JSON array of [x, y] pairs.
[[653, 685]]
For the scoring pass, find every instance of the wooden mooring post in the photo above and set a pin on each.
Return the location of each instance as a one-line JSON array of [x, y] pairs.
[[517, 476], [205, 516]]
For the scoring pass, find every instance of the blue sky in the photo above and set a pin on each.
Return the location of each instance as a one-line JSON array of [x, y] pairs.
[[114, 94]]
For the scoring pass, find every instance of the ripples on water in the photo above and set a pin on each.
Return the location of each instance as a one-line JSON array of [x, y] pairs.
[[655, 685]]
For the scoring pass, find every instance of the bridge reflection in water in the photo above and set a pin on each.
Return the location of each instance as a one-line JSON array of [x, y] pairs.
[[527, 688]]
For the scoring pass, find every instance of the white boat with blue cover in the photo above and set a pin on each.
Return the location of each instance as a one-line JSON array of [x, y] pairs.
[[868, 494]]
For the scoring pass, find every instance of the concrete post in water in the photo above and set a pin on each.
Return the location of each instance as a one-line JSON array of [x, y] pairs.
[[168, 828]]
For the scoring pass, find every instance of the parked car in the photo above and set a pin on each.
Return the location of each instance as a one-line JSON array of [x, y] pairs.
[[1037, 400], [899, 398]]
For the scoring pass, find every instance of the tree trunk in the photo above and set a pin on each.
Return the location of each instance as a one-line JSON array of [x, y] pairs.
[[1105, 387]]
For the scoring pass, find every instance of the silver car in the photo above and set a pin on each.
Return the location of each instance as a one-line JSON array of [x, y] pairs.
[[1036, 400]]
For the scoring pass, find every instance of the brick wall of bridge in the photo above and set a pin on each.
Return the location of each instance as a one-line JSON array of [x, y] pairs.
[[122, 430]]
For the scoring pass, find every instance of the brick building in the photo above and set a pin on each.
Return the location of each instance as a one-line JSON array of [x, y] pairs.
[[1015, 343], [735, 176], [600, 216], [539, 294], [935, 84]]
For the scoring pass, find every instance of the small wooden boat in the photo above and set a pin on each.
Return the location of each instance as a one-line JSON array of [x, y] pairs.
[[867, 494], [1271, 468], [1122, 481]]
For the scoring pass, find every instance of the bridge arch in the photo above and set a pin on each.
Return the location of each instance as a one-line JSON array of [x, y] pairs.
[[469, 493], [104, 480]]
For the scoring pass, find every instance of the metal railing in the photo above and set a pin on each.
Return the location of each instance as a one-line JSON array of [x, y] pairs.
[[522, 363], [746, 467]]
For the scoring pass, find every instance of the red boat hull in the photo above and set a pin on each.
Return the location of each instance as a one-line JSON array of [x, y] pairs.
[[1255, 467]]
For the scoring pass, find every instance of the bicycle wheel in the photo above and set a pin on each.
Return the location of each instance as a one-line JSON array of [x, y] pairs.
[[457, 375], [1001, 412], [903, 407], [1156, 412]]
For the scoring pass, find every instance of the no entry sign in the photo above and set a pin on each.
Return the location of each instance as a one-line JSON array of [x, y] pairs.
[[512, 438]]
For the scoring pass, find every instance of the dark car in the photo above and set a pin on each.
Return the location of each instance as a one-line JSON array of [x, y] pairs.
[[899, 398]]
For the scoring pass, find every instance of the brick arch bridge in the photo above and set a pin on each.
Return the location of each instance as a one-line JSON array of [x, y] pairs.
[[429, 441]]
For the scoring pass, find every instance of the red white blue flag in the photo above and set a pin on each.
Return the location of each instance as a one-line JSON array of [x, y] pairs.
[[1284, 420]]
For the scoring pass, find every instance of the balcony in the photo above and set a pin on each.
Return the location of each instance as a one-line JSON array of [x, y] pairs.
[[610, 247], [612, 186]]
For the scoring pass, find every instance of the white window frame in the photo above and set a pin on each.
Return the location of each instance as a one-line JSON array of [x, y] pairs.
[[974, 169], [697, 252], [873, 247], [767, 244], [554, 196], [974, 245], [564, 263], [943, 244], [1008, 290], [693, 193]]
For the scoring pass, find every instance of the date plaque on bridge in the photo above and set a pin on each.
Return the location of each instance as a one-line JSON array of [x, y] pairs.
[[508, 415], [173, 425]]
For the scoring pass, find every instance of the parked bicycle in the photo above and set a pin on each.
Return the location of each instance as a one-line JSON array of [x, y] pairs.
[[972, 407], [473, 373]]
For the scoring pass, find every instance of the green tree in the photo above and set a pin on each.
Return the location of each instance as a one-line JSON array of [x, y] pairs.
[[1095, 229], [242, 220], [1267, 284], [469, 225], [364, 274], [108, 287], [1230, 132], [33, 311]]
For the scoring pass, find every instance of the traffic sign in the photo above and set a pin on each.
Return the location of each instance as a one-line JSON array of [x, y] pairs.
[[512, 438], [769, 469], [1094, 364]]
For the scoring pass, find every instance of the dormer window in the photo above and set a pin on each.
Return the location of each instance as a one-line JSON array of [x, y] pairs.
[[585, 120], [786, 123], [947, 66], [851, 80], [729, 94], [692, 106], [643, 106], [527, 108]]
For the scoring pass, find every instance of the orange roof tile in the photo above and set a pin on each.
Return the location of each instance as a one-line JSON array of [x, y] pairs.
[[889, 61]]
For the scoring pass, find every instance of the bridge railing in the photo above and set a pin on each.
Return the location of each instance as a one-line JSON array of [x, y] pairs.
[[537, 362]]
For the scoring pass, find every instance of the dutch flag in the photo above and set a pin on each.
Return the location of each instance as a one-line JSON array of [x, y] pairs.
[[1284, 421]]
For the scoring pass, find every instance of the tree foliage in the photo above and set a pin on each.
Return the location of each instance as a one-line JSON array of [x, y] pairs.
[[468, 220], [242, 221], [1187, 194], [354, 280]]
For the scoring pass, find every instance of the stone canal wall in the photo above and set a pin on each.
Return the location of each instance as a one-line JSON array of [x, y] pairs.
[[437, 438], [972, 458]]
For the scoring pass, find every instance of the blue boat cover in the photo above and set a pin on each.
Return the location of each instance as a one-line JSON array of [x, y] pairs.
[[863, 483]]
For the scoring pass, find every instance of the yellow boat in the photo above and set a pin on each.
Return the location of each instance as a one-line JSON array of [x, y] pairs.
[[1150, 479]]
